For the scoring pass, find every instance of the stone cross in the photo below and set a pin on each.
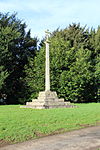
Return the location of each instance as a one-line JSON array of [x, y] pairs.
[[47, 64], [47, 98]]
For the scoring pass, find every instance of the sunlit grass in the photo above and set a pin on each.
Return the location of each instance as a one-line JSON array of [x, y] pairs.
[[20, 124]]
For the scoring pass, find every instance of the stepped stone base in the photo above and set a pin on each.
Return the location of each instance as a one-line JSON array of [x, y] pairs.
[[47, 99]]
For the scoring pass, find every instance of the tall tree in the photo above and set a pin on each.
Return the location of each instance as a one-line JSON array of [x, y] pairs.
[[97, 64], [16, 47], [72, 65]]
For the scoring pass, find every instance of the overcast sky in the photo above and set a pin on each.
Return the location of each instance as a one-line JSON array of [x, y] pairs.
[[40, 15]]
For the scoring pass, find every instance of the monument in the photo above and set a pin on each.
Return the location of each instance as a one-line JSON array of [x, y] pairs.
[[47, 98]]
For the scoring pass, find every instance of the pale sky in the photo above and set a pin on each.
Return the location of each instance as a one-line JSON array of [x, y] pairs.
[[40, 15]]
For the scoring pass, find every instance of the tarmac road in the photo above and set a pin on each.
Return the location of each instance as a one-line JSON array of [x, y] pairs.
[[83, 139]]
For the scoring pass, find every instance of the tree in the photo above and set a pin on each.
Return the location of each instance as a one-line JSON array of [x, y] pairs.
[[74, 62], [35, 73], [16, 47], [71, 65], [97, 64], [3, 76], [76, 83]]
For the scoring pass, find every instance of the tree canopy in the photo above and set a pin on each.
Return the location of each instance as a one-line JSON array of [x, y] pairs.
[[74, 62], [16, 46], [74, 65]]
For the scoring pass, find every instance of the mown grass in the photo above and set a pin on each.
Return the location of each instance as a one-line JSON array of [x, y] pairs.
[[20, 124]]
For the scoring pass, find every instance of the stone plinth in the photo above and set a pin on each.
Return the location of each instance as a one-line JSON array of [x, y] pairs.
[[47, 99]]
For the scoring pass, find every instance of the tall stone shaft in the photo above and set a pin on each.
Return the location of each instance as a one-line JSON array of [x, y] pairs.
[[47, 98], [47, 66]]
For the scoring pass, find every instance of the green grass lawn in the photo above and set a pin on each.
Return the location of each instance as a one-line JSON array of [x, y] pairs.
[[20, 124]]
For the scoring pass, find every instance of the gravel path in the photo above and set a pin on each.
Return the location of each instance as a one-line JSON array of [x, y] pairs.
[[83, 139]]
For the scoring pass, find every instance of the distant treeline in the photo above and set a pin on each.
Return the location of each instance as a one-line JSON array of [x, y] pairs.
[[74, 62]]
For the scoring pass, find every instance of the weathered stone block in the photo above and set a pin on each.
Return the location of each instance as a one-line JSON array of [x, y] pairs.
[[47, 99]]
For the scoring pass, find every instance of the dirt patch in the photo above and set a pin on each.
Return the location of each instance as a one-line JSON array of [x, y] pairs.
[[61, 130], [98, 123], [89, 125], [85, 125], [39, 134], [4, 143]]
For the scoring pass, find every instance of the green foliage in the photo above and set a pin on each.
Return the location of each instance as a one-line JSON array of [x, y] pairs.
[[97, 64], [35, 72], [74, 65], [76, 82], [74, 62], [3, 76], [16, 46], [19, 124]]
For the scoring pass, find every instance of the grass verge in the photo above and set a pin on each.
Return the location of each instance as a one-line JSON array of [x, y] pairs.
[[20, 124]]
